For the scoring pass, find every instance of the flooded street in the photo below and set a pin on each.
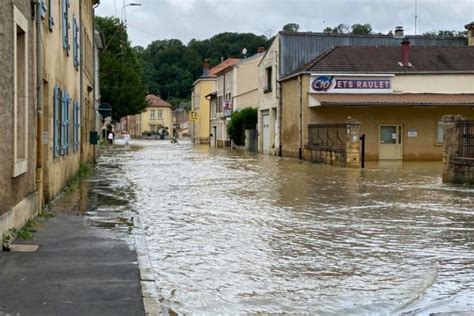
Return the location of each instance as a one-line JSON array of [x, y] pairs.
[[235, 233]]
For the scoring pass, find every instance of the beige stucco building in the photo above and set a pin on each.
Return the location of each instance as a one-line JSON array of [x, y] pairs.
[[398, 94], [49, 90], [18, 187]]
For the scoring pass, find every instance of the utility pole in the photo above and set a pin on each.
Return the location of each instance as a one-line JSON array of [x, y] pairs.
[[416, 14]]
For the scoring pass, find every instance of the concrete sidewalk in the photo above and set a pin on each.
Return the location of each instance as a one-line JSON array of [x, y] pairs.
[[78, 269]]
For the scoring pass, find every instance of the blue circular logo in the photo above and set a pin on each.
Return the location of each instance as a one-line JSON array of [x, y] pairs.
[[322, 83]]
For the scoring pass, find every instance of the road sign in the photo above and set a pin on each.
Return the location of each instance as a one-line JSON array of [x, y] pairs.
[[193, 116]]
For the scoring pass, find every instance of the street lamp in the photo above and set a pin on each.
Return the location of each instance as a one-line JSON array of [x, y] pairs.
[[124, 12]]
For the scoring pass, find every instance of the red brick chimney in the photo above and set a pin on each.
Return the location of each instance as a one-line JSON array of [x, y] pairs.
[[205, 68], [261, 49], [405, 53]]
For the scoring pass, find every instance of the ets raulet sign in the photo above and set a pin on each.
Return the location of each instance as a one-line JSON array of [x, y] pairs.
[[333, 84]]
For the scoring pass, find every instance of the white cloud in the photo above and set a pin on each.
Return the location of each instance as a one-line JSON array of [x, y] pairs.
[[187, 19]]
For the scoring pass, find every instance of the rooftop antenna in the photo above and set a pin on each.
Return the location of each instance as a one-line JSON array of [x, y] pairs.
[[416, 14]]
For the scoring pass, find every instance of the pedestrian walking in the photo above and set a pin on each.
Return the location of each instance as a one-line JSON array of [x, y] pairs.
[[126, 137], [110, 137]]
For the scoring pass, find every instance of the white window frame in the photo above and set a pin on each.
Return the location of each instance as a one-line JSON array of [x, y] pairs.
[[20, 166], [440, 125], [152, 114], [159, 114]]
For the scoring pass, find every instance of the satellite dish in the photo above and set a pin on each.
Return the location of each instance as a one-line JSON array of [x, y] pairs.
[[244, 51]]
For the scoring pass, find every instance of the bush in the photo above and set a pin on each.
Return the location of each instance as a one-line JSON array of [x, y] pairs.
[[239, 122]]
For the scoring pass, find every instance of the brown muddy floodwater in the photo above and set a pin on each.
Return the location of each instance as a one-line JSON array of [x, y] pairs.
[[234, 233]]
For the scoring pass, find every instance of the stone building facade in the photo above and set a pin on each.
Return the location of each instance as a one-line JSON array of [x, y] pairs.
[[47, 103], [399, 100], [18, 191]]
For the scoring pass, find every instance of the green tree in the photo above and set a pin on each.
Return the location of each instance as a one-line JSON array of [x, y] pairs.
[[361, 29], [291, 27], [120, 71], [446, 33], [239, 122]]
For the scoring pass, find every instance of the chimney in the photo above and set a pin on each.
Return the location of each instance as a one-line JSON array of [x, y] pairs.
[[205, 68], [405, 53], [398, 32], [470, 33], [261, 49]]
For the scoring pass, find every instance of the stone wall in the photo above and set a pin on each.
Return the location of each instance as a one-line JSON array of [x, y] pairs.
[[455, 169], [347, 156]]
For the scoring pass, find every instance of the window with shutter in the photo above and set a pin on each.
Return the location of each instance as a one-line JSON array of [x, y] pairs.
[[43, 9], [76, 125], [65, 24], [51, 15], [75, 32]]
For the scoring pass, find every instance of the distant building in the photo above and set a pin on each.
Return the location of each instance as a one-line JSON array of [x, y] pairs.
[[291, 50], [157, 117], [181, 122], [200, 129], [399, 95], [225, 93]]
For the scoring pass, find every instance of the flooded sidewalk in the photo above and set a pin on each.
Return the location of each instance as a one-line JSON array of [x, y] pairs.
[[86, 263]]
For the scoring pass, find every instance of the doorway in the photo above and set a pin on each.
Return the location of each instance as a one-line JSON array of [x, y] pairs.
[[266, 133], [390, 142]]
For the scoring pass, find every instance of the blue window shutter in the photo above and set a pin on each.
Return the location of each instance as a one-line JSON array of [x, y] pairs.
[[43, 9], [65, 16], [51, 15], [55, 121], [75, 43], [66, 137], [76, 125]]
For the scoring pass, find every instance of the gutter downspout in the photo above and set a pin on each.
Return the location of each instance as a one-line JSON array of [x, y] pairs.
[[39, 107], [279, 96], [95, 76], [83, 123], [300, 118]]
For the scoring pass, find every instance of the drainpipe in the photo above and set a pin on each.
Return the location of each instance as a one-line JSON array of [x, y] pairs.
[[300, 118], [94, 77], [81, 83], [39, 107]]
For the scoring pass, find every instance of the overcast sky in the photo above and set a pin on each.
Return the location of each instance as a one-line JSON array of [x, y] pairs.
[[200, 19]]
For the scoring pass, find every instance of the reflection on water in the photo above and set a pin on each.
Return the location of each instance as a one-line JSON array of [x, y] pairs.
[[239, 233]]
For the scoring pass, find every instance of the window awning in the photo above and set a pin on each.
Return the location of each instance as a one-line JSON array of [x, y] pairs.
[[406, 99]]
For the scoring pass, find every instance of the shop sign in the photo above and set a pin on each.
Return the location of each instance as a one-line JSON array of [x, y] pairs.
[[343, 84], [227, 108], [193, 116], [412, 133]]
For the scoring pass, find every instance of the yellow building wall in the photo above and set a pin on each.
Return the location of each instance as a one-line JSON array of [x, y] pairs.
[[59, 70], [201, 128], [422, 119], [146, 123]]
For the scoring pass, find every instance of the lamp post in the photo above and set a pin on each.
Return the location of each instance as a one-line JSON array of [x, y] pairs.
[[124, 12]]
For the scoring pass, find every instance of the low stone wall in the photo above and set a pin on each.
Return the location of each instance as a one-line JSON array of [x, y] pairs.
[[455, 169], [18, 215], [463, 170], [335, 157], [346, 156]]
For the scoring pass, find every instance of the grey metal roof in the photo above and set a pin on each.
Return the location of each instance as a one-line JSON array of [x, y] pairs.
[[297, 49]]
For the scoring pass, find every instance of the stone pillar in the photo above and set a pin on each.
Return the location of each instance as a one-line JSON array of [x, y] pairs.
[[353, 143], [450, 146]]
